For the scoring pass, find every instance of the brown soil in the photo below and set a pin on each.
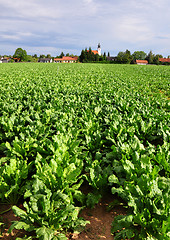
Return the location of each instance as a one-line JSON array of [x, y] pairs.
[[100, 221], [99, 228], [7, 218]]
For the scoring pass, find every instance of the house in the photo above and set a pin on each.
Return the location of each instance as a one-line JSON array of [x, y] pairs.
[[98, 51], [141, 62], [9, 59], [111, 59], [66, 60], [5, 59], [45, 60], [16, 59], [164, 60]]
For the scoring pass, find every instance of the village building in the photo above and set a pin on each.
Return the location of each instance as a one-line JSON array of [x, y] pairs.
[[66, 60], [98, 51], [45, 60], [16, 59], [141, 62], [8, 59], [5, 59], [113, 59], [164, 60]]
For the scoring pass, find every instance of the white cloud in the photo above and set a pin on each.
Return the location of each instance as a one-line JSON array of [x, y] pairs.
[[133, 29], [30, 9], [75, 24], [88, 1], [8, 36]]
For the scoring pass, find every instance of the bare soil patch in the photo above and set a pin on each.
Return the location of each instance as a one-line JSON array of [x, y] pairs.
[[7, 218], [100, 220], [99, 217]]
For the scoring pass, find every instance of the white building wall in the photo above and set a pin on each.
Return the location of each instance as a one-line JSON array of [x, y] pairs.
[[99, 50]]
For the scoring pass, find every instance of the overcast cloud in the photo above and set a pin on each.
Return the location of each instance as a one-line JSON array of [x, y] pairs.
[[42, 27]]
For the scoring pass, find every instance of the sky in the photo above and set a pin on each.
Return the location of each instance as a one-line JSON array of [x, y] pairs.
[[53, 26]]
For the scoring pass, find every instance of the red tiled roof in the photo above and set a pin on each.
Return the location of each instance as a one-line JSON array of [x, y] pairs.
[[94, 51], [164, 60], [66, 59], [141, 61]]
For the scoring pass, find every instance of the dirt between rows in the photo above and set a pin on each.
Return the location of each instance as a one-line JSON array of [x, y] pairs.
[[100, 221], [99, 228]]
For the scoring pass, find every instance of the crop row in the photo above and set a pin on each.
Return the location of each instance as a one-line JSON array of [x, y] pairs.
[[66, 126]]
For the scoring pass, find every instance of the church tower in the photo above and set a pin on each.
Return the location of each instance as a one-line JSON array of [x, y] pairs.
[[99, 50]]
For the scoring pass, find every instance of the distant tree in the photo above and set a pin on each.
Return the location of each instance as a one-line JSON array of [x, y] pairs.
[[31, 59], [160, 55], [35, 56], [101, 59], [108, 54], [93, 57], [150, 57], [42, 56], [156, 59], [104, 56], [48, 56], [85, 56], [82, 56], [124, 57], [128, 56], [67, 54], [89, 56], [139, 55], [168, 56], [96, 57], [21, 54], [120, 56], [61, 55]]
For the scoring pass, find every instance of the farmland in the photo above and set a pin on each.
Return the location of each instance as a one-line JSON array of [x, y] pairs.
[[66, 127]]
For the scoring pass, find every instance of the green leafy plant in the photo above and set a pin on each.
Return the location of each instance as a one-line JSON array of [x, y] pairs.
[[63, 130], [47, 213], [147, 195], [13, 173]]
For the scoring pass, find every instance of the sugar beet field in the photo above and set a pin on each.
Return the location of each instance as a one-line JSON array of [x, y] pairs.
[[72, 133]]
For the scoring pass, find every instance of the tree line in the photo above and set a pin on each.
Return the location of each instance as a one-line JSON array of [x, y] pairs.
[[121, 58], [127, 57], [22, 56], [88, 56]]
